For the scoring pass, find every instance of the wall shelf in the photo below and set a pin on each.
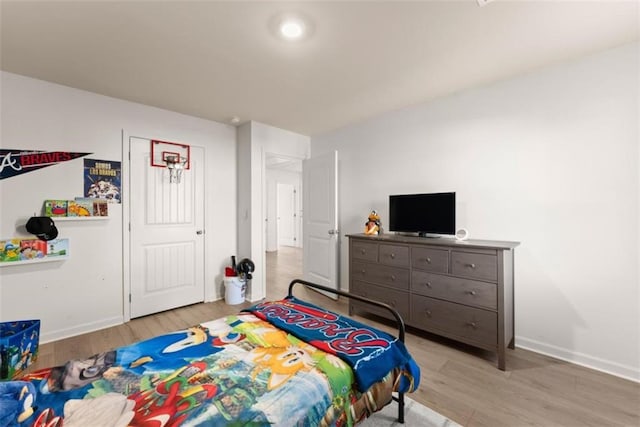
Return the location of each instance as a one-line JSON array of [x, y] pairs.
[[34, 261], [78, 218]]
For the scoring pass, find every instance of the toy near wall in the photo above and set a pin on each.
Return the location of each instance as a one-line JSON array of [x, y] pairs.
[[372, 226]]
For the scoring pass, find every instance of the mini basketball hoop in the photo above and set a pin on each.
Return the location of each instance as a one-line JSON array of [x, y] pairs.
[[173, 156]]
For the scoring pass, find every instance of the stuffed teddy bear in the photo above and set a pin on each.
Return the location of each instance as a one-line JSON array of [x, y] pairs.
[[17, 400], [372, 226]]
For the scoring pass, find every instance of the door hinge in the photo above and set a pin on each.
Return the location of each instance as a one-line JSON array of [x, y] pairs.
[[129, 298], [129, 155], [129, 226]]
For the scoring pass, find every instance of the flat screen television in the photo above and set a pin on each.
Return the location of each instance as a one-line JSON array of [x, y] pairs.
[[432, 213]]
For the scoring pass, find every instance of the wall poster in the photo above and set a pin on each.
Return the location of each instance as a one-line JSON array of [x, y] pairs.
[[102, 180]]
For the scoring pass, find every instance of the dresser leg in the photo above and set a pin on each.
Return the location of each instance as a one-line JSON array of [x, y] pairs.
[[501, 359]]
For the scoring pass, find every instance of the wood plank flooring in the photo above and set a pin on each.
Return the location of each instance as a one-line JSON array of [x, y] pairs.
[[458, 381]]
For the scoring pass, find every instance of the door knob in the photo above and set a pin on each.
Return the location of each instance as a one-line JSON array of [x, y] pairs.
[[333, 232], [198, 232]]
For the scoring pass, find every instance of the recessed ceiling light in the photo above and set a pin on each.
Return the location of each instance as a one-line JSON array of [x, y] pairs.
[[292, 29], [291, 26]]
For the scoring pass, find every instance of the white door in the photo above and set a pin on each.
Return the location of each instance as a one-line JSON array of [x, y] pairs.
[[286, 212], [320, 205], [167, 240]]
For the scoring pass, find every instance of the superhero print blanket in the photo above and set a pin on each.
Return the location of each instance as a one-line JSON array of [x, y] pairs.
[[237, 370]]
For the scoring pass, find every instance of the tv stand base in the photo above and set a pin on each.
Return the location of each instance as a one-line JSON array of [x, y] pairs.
[[428, 236]]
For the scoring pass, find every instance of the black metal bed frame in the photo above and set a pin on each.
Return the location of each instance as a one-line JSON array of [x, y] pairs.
[[400, 397]]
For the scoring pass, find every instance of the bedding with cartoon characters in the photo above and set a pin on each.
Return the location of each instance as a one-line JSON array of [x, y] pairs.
[[284, 363]]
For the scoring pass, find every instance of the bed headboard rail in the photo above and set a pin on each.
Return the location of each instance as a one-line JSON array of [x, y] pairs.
[[356, 297]]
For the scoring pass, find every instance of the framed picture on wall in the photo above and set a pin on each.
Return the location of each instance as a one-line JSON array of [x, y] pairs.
[[102, 180]]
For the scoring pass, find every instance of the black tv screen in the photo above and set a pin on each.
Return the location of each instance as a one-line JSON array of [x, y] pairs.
[[433, 213]]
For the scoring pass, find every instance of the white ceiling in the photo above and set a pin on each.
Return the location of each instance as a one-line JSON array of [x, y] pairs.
[[217, 60]]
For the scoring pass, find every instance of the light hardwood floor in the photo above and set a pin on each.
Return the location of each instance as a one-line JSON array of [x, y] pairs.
[[458, 381]]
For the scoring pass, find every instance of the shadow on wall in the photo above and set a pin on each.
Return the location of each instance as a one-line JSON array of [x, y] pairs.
[[539, 300]]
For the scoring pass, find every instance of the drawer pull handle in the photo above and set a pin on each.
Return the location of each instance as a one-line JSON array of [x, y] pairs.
[[428, 285], [363, 251], [362, 271], [471, 292], [474, 325], [428, 260], [392, 256], [471, 265], [428, 313], [393, 278]]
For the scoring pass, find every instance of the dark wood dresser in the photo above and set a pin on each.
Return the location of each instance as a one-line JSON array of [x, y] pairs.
[[457, 289]]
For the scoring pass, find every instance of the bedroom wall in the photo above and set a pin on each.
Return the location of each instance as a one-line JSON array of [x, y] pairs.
[[85, 292], [255, 140], [549, 159]]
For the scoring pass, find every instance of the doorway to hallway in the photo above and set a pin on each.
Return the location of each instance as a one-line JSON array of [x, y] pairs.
[[283, 266]]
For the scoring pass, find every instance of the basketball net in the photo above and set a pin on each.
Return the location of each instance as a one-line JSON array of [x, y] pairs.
[[175, 166]]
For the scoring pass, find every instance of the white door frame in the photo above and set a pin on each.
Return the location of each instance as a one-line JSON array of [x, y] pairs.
[[279, 213], [271, 230], [263, 211], [126, 219]]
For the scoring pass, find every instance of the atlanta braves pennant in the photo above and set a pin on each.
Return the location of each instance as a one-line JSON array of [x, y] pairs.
[[17, 162]]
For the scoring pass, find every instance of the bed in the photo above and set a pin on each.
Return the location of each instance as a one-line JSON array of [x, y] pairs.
[[286, 362]]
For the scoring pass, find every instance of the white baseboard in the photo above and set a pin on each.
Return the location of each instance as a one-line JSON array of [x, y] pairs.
[[619, 370], [81, 329]]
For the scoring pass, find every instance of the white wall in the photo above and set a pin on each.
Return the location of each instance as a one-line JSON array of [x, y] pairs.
[[85, 292], [255, 140], [250, 177], [549, 159]]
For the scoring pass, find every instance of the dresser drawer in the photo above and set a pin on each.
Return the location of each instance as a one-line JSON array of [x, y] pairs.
[[464, 291], [397, 256], [366, 251], [476, 266], [468, 324], [397, 299], [394, 277], [429, 284], [430, 259]]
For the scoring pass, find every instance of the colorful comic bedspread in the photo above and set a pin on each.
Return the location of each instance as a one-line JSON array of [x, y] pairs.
[[238, 370], [367, 350]]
